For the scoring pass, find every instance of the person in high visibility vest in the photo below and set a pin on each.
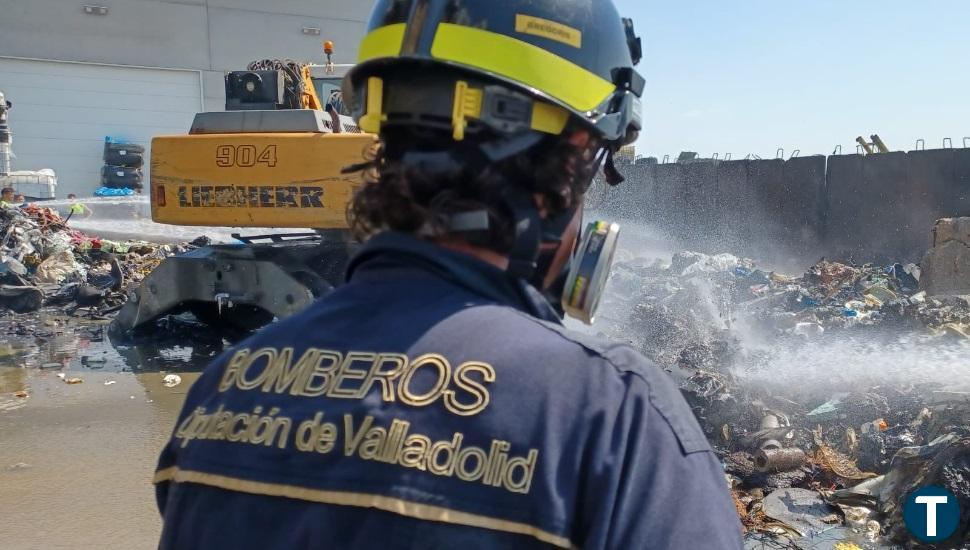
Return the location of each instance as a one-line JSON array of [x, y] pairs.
[[6, 197], [76, 208]]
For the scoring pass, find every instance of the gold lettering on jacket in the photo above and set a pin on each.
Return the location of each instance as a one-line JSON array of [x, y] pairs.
[[364, 439], [422, 382]]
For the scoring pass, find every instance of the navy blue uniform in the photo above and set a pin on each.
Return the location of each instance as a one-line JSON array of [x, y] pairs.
[[433, 402]]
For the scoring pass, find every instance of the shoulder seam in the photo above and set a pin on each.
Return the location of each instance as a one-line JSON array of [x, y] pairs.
[[689, 444], [562, 332]]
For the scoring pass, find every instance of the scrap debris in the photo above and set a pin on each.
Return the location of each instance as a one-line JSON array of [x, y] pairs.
[[805, 459], [72, 380], [45, 264]]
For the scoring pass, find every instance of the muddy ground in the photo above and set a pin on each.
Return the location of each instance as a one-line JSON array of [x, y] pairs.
[[76, 460]]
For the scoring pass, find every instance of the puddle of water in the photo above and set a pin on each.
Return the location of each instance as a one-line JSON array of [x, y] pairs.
[[76, 460]]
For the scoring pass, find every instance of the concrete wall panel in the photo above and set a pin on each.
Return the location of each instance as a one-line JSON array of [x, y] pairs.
[[233, 45], [142, 33], [671, 199], [801, 201], [882, 232], [346, 10], [931, 178], [634, 199], [735, 207], [845, 186], [765, 183], [957, 202], [700, 196]]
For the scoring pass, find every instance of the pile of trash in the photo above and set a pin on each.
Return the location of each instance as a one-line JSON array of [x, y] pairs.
[[798, 468], [805, 457], [45, 263], [685, 311]]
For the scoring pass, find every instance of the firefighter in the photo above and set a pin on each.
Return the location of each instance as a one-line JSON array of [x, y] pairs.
[[436, 400]]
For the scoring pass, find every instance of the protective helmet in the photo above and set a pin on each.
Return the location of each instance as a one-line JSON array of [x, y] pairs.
[[510, 67]]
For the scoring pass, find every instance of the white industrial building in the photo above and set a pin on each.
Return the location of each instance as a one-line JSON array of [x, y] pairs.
[[78, 71]]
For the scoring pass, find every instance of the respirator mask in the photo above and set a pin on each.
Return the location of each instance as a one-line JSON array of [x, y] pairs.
[[578, 288], [589, 270]]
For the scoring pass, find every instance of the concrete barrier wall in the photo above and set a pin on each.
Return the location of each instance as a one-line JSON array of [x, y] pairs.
[[800, 203], [873, 208], [734, 220]]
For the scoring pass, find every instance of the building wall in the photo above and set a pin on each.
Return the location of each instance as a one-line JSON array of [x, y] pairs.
[[212, 36]]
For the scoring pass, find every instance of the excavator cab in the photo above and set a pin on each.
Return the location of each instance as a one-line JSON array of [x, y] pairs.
[[274, 159]]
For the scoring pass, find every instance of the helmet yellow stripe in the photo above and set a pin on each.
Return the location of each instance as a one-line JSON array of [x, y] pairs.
[[382, 42], [531, 65]]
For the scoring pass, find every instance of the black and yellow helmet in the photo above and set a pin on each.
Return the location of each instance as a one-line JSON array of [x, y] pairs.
[[505, 66]]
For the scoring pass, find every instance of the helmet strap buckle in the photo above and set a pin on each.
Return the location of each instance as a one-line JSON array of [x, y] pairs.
[[468, 103], [372, 119]]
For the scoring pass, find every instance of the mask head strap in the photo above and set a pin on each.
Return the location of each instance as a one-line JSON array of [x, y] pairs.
[[528, 232]]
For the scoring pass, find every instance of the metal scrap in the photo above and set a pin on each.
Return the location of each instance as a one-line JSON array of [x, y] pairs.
[[44, 263], [773, 438]]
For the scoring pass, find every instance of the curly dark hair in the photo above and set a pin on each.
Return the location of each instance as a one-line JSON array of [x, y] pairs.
[[421, 178]]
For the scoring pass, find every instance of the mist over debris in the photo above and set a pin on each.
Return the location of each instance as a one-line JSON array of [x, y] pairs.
[[811, 378], [768, 341]]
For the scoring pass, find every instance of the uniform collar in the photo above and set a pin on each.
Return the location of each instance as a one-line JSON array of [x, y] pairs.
[[390, 254]]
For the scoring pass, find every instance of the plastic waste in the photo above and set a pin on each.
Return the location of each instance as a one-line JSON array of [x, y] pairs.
[[808, 329], [878, 295], [56, 268], [801, 509], [111, 192]]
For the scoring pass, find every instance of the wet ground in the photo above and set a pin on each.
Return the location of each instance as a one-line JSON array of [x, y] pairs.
[[76, 460]]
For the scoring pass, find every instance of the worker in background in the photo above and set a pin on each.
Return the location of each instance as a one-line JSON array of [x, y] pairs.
[[76, 207], [435, 400], [6, 197]]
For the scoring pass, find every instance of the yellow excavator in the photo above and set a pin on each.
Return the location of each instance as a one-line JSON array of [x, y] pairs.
[[274, 158]]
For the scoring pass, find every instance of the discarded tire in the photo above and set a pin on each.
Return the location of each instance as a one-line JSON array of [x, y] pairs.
[[124, 158], [21, 299], [118, 177], [128, 148]]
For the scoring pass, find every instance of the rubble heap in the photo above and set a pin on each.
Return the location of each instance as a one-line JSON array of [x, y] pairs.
[[804, 459], [684, 311], [45, 263]]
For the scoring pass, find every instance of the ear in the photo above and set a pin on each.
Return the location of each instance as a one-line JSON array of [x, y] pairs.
[[579, 138]]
